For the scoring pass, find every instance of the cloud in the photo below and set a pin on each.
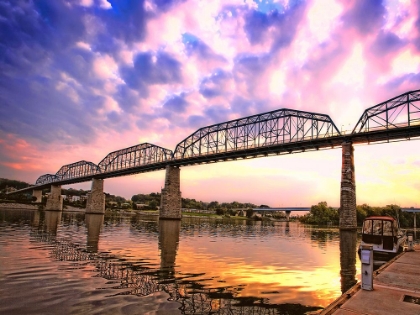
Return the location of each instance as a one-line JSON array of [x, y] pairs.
[[87, 77], [364, 16]]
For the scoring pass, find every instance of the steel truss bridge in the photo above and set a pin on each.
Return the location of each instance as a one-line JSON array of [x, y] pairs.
[[281, 131]]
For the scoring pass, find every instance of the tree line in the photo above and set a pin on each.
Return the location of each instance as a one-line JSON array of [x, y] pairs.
[[152, 200], [322, 214]]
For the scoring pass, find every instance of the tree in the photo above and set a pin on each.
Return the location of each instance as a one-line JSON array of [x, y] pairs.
[[153, 205], [321, 214], [249, 213]]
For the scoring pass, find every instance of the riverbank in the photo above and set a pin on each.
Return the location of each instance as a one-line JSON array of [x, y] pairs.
[[19, 206], [28, 206], [67, 208]]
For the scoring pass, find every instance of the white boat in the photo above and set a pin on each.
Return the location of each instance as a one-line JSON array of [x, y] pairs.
[[384, 234]]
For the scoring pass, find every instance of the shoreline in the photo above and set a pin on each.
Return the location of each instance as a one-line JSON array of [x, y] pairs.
[[24, 206]]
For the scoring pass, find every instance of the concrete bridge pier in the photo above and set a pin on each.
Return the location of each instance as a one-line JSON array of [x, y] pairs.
[[288, 215], [54, 200], [96, 198], [170, 202], [347, 215], [38, 194]]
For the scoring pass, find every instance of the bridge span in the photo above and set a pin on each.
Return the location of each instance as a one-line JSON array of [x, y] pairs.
[[278, 132]]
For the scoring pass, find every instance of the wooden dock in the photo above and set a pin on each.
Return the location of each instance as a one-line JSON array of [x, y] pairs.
[[396, 290]]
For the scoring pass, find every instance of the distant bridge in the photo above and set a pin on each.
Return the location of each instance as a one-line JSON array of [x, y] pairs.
[[278, 132]]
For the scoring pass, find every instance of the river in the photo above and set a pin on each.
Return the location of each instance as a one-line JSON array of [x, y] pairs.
[[72, 263]]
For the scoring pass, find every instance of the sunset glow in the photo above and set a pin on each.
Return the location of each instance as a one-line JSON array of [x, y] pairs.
[[80, 79]]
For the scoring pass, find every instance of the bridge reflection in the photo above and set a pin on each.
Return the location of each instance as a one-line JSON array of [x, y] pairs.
[[138, 279], [348, 245]]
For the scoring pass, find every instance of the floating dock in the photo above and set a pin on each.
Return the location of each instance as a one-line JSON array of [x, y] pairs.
[[396, 290]]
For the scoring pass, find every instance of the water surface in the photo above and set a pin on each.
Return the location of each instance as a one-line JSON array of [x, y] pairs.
[[72, 263]]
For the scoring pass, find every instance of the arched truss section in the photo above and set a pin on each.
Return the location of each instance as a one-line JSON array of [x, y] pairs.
[[398, 112], [135, 156], [268, 129], [45, 179], [77, 169]]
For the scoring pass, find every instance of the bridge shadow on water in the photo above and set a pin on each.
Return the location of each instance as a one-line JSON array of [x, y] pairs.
[[139, 278]]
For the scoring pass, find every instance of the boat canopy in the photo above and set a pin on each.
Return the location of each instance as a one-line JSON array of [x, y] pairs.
[[380, 230]]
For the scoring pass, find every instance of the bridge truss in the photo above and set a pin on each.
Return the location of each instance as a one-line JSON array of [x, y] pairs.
[[276, 132], [135, 156], [77, 169], [45, 179], [258, 131], [396, 118]]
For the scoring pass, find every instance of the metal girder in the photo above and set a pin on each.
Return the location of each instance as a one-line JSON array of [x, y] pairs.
[[258, 131], [45, 179], [77, 169], [399, 112], [135, 156]]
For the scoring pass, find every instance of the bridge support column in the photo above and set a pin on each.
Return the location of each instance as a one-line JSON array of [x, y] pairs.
[[288, 215], [170, 202], [96, 199], [55, 201], [347, 215], [38, 194]]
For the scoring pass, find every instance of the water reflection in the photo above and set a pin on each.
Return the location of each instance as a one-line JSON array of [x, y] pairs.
[[168, 243], [206, 266], [287, 228], [93, 224], [348, 245], [52, 219]]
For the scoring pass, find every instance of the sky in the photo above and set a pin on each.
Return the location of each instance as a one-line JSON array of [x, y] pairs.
[[82, 78]]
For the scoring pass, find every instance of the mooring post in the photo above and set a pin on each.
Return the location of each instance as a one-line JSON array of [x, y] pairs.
[[170, 202], [96, 199], [347, 216], [54, 200]]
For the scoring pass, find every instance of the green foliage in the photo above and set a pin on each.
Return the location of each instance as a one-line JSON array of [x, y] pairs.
[[146, 198], [4, 182], [406, 219], [321, 214], [192, 204], [153, 205]]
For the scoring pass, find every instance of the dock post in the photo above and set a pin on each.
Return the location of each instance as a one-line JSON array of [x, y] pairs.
[[347, 215], [170, 202]]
